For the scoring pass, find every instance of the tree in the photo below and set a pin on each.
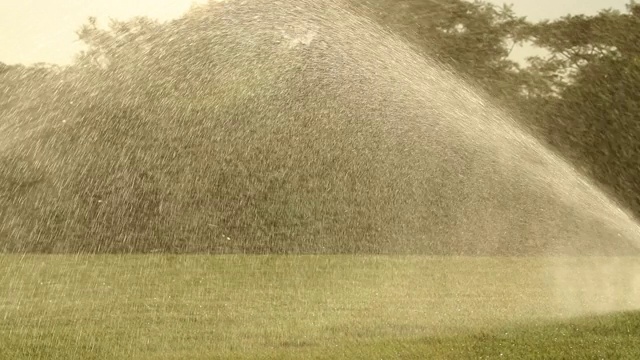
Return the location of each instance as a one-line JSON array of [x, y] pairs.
[[476, 38], [247, 128], [590, 101]]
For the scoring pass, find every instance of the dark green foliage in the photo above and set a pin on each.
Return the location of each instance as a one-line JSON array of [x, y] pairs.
[[594, 119], [195, 136], [474, 37]]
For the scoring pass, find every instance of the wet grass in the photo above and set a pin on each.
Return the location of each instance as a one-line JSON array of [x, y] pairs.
[[203, 307]]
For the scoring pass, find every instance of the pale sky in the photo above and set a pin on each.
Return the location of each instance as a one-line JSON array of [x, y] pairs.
[[44, 30]]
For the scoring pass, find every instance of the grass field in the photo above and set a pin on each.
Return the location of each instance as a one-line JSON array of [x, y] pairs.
[[364, 307]]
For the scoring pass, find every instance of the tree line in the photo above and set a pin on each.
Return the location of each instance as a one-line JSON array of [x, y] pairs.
[[110, 130]]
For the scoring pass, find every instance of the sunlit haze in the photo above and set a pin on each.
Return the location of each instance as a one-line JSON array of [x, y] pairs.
[[349, 179], [44, 30], [34, 31]]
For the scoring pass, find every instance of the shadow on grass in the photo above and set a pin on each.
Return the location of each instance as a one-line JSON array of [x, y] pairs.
[[615, 336]]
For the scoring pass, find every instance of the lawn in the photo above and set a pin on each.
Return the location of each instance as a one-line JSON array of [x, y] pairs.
[[203, 307]]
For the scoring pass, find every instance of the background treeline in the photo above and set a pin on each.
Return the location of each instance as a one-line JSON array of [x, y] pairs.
[[194, 135]]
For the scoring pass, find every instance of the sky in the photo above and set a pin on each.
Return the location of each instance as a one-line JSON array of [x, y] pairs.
[[34, 31]]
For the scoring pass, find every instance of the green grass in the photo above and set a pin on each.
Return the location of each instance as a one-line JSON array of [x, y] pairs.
[[364, 307]]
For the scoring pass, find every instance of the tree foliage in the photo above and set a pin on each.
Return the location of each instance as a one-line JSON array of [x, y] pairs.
[[476, 38], [593, 116], [195, 135]]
